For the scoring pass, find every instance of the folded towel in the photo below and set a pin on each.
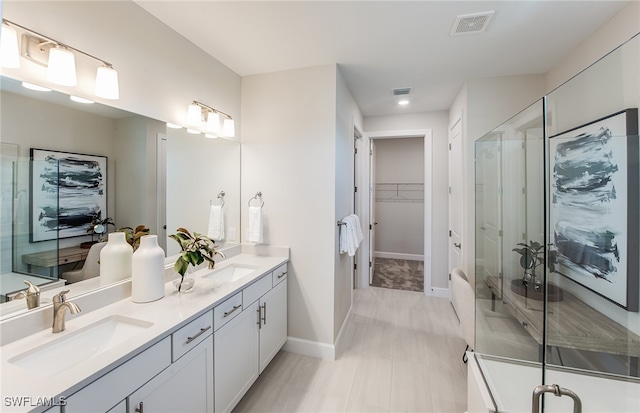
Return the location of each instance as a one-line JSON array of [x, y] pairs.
[[255, 224], [216, 223], [350, 235]]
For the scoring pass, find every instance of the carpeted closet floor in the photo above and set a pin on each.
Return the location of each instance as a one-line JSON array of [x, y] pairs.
[[398, 274]]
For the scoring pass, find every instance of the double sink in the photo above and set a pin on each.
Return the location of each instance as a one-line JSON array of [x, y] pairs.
[[79, 346]]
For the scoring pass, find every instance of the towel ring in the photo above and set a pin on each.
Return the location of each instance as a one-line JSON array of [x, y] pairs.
[[220, 197], [257, 196]]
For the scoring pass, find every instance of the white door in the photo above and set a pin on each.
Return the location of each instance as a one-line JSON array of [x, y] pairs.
[[372, 208], [456, 173]]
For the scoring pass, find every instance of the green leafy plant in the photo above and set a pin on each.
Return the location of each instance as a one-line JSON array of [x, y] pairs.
[[133, 235], [531, 256], [100, 226], [196, 249]]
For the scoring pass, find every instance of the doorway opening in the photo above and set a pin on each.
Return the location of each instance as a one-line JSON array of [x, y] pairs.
[[399, 210]]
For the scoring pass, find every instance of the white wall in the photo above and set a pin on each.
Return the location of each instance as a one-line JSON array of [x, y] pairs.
[[400, 224], [347, 117], [289, 154], [197, 170], [438, 123]]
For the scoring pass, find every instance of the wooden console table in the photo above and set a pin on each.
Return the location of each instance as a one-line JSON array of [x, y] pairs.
[[53, 258], [571, 323]]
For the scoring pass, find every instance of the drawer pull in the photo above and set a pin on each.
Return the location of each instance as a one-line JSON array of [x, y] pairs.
[[282, 275], [228, 313], [202, 330]]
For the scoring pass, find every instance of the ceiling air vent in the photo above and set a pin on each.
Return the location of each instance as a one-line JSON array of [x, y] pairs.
[[471, 23], [401, 91]]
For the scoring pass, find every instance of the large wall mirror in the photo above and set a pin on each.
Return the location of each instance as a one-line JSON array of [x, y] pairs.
[[155, 176]]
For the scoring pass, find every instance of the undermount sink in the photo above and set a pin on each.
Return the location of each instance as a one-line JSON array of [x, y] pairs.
[[231, 272], [78, 346]]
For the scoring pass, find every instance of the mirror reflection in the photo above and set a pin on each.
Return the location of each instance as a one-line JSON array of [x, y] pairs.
[[56, 210]]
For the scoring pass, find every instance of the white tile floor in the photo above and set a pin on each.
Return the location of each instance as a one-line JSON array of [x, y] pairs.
[[403, 354]]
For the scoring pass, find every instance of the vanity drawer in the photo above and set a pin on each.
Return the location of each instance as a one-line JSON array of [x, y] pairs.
[[190, 335], [227, 310], [256, 290], [279, 274]]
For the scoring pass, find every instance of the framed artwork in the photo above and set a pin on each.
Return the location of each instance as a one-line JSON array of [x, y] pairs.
[[594, 206], [67, 191]]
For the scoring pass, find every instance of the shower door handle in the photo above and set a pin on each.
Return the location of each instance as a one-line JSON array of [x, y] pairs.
[[558, 392]]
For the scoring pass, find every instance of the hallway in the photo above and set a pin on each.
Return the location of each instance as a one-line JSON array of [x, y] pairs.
[[402, 354]]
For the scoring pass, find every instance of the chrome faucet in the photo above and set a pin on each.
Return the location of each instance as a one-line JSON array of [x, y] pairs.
[[60, 304], [32, 294]]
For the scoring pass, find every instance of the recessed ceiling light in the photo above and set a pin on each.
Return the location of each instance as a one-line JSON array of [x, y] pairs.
[[403, 102], [173, 126], [80, 100], [35, 87]]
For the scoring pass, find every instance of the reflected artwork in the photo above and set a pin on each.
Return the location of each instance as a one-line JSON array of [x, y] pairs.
[[67, 191]]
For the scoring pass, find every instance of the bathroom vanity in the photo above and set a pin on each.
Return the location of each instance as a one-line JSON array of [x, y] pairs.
[[198, 351]]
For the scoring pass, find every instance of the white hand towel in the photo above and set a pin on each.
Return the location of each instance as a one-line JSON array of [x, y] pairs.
[[351, 236], [255, 224], [216, 223], [342, 237]]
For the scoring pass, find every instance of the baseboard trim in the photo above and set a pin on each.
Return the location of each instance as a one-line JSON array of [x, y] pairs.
[[398, 256], [310, 348], [438, 292], [340, 345]]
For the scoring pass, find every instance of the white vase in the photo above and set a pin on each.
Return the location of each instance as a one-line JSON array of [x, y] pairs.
[[115, 259], [147, 271]]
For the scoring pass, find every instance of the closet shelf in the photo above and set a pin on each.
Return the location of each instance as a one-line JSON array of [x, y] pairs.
[[409, 192]]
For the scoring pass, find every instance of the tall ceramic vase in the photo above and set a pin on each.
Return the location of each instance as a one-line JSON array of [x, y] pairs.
[[147, 275], [115, 259]]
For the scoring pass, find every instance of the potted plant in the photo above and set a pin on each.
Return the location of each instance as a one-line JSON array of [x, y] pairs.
[[99, 226], [196, 249], [531, 256], [133, 235]]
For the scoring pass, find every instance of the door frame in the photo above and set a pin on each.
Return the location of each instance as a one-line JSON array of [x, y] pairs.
[[427, 135]]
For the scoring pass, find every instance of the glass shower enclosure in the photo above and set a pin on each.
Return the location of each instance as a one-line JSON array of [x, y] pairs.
[[557, 247]]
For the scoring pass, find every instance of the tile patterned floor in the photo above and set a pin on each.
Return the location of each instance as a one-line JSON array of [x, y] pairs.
[[398, 274], [402, 354]]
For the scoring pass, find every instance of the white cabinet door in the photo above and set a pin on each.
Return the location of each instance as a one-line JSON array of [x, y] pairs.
[[273, 328], [236, 358], [185, 386]]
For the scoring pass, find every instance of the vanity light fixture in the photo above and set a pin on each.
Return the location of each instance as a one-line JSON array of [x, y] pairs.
[[9, 51], [173, 126], [62, 67], [59, 58], [210, 136], [199, 114], [193, 131]]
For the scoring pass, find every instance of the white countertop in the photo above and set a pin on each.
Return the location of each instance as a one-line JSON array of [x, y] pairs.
[[166, 314]]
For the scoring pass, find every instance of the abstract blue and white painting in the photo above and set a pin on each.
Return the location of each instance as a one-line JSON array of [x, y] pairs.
[[68, 190], [590, 206]]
